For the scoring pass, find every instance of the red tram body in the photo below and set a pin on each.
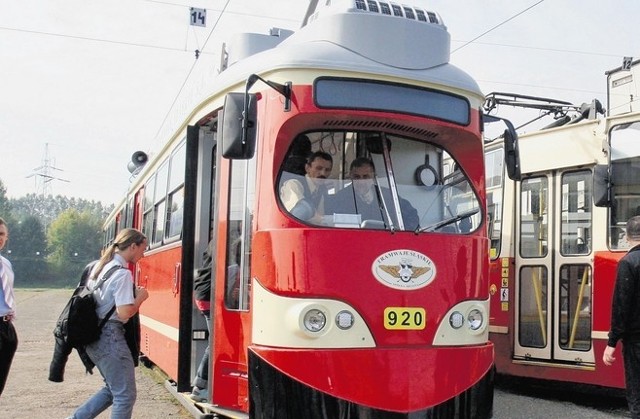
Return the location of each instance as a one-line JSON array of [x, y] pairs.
[[557, 236], [335, 314]]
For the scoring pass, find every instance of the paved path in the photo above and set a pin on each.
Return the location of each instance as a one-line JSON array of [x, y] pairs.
[[29, 395]]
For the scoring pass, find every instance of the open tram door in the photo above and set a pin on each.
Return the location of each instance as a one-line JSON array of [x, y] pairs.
[[554, 268], [198, 230]]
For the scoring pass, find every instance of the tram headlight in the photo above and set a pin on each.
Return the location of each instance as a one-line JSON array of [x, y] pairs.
[[456, 320], [314, 320], [344, 320], [475, 319]]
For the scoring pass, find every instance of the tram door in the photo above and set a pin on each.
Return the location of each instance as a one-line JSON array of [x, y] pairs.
[[554, 268]]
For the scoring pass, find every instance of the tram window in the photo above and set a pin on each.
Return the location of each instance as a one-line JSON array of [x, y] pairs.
[[178, 162], [534, 223], [532, 307], [175, 198], [160, 217], [148, 217], [575, 227], [625, 176], [494, 166], [575, 307], [239, 233], [176, 212], [371, 185], [160, 203], [129, 214]]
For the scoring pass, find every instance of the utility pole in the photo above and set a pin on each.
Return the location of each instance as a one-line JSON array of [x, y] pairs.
[[44, 174]]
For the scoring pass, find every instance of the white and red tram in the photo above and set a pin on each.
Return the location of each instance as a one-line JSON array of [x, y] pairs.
[[347, 314], [558, 233]]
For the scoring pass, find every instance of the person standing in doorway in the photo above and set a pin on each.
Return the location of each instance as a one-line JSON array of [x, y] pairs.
[[625, 317], [202, 296], [111, 353], [8, 336]]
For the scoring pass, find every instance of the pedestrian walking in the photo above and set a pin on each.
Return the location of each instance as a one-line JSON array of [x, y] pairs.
[[111, 352], [8, 336], [625, 317]]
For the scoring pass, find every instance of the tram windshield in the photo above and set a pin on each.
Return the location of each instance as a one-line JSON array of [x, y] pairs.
[[625, 179], [370, 180]]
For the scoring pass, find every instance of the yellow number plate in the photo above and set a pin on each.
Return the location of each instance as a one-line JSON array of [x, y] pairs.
[[405, 318]]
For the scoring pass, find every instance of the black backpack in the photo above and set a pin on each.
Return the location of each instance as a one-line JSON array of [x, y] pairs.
[[78, 324]]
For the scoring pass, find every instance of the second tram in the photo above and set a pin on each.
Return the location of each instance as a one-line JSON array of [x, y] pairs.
[[558, 233]]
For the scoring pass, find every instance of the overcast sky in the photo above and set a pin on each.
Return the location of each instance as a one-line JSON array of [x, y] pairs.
[[93, 81]]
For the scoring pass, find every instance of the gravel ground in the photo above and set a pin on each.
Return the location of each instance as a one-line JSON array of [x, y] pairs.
[[29, 394]]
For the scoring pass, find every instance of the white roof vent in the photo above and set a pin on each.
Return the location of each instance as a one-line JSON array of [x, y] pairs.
[[389, 8]]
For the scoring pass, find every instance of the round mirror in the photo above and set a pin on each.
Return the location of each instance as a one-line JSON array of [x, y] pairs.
[[426, 175]]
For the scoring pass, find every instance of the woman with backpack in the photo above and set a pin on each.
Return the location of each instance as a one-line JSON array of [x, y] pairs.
[[110, 353]]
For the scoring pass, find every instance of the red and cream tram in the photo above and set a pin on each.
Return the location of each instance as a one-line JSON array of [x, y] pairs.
[[344, 312], [558, 233]]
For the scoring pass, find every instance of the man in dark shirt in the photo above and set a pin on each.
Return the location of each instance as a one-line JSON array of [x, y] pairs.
[[366, 198], [625, 317]]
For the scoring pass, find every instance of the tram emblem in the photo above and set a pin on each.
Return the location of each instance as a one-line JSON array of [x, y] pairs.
[[404, 269]]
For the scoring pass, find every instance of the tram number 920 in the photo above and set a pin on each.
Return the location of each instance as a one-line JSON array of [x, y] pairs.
[[405, 318]]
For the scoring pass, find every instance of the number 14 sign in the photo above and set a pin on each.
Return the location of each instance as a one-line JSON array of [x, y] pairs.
[[197, 17]]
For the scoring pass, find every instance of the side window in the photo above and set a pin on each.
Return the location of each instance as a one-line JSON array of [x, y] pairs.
[[148, 217], [129, 214], [109, 234], [240, 216], [494, 166], [160, 203], [625, 179], [534, 222], [175, 197], [575, 227]]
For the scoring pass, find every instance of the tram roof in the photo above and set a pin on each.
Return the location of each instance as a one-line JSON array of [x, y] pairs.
[[357, 42]]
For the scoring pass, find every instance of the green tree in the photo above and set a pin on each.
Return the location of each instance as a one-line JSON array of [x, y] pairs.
[[5, 204], [48, 208], [26, 249], [74, 239]]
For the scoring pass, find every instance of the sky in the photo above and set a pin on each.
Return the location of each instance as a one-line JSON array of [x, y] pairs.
[[85, 84]]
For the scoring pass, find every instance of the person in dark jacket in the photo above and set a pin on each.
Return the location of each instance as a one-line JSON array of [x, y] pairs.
[[364, 197], [202, 297], [62, 350], [625, 317]]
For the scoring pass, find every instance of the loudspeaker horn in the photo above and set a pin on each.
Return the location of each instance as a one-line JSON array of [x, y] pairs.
[[138, 160]]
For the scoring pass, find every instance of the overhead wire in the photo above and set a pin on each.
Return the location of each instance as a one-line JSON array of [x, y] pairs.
[[497, 26], [87, 38], [191, 69]]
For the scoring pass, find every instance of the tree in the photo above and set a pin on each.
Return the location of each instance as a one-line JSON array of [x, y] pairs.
[[5, 205], [26, 249], [48, 208], [75, 239]]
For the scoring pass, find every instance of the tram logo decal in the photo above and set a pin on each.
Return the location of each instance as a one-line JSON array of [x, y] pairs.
[[404, 269]]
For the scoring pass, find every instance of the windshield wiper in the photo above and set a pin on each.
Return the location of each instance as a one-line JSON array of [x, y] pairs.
[[440, 224]]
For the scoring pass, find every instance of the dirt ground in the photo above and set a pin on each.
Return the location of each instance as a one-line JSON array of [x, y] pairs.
[[29, 394]]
